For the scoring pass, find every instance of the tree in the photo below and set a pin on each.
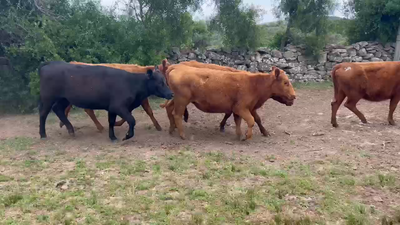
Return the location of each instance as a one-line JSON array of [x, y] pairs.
[[306, 15], [237, 23], [375, 21]]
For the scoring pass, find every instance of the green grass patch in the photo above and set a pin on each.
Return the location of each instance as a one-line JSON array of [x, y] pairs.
[[16, 144]]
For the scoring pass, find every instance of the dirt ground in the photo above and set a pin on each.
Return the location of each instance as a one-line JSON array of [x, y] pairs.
[[301, 132]]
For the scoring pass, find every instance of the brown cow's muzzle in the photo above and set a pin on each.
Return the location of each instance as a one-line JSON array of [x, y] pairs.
[[290, 100]]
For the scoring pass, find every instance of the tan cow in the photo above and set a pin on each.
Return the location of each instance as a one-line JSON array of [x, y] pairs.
[[216, 91], [132, 68], [372, 81]]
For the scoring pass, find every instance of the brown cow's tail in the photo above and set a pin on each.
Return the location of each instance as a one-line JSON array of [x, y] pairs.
[[334, 80]]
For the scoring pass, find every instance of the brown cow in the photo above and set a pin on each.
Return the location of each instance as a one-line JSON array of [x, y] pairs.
[[372, 81], [225, 92], [194, 63], [132, 68]]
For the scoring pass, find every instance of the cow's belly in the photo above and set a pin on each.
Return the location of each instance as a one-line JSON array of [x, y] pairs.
[[211, 108], [377, 96]]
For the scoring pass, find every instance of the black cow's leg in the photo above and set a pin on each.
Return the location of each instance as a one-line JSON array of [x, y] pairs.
[[126, 115], [111, 122], [59, 110], [44, 110]]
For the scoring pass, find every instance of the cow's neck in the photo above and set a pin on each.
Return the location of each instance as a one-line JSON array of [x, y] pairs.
[[262, 86]]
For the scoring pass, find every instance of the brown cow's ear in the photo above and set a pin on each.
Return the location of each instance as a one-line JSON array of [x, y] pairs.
[[277, 72]]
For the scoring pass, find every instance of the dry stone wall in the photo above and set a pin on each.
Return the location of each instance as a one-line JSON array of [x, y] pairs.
[[292, 59]]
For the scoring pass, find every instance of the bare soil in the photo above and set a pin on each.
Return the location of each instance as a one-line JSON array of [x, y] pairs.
[[301, 132]]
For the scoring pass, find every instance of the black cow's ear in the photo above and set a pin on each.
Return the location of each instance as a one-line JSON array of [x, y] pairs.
[[150, 73]]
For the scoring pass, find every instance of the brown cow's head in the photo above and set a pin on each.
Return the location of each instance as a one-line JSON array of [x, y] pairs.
[[282, 89]]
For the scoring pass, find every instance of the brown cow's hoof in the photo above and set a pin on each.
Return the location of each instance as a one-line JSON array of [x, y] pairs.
[[158, 127], [182, 137], [391, 122], [335, 125]]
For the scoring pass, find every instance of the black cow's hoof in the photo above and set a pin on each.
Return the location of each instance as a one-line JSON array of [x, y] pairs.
[[114, 141], [43, 138]]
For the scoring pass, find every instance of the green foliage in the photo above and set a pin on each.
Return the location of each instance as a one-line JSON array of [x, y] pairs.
[[373, 20], [310, 17], [238, 24]]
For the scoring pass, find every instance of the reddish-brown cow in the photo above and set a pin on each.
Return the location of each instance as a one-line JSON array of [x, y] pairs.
[[373, 81], [215, 91], [194, 63], [132, 68]]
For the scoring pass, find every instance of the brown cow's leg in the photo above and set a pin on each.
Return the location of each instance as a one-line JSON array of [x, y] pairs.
[[238, 121], [147, 109], [258, 121], [223, 122], [179, 110], [393, 104], [351, 105], [170, 108], [119, 123], [246, 115], [95, 121], [335, 104], [66, 114]]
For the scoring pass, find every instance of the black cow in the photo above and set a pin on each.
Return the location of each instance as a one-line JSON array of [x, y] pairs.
[[96, 87]]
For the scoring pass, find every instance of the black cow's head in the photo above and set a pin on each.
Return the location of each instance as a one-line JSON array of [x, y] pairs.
[[157, 85]]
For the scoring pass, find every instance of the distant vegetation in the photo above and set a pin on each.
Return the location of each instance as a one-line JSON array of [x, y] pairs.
[[35, 31]]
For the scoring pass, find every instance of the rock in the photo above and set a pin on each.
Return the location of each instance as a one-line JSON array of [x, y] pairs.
[[267, 56], [276, 54], [339, 51], [376, 59], [252, 58], [357, 59], [176, 50], [335, 58], [263, 50], [214, 56], [363, 44], [289, 55], [242, 67], [239, 62], [258, 57], [253, 67], [368, 56], [192, 56], [347, 59], [282, 65], [378, 54], [357, 47], [362, 52], [322, 58], [301, 58], [352, 52], [263, 67]]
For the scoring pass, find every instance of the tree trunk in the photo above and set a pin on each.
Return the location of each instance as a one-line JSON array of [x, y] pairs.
[[397, 51], [286, 37]]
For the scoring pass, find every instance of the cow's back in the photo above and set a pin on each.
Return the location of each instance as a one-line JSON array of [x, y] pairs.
[[196, 64], [374, 81]]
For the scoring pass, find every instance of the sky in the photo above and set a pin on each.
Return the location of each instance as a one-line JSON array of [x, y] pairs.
[[208, 9]]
